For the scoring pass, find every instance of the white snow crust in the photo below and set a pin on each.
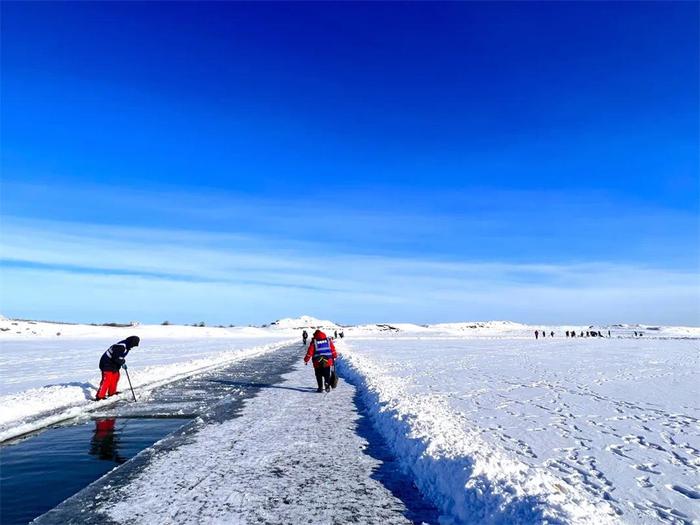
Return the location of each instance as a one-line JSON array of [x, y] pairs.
[[590, 430]]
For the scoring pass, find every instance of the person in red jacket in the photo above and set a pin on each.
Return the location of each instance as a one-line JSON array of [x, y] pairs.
[[110, 363], [322, 353]]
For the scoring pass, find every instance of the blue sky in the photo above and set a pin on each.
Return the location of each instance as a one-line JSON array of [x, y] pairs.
[[240, 162]]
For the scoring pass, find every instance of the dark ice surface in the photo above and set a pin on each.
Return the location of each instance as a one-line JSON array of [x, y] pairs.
[[38, 473]]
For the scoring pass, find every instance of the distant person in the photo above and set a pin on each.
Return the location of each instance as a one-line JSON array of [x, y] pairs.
[[567, 333], [544, 334], [335, 334], [573, 333], [588, 334], [322, 353], [304, 336], [110, 363], [537, 334], [608, 333], [581, 333], [342, 334], [551, 334]]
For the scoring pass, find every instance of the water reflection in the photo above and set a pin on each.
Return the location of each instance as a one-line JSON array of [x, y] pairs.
[[105, 442]]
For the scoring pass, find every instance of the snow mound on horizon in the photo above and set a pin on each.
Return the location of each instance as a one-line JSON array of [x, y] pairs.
[[483, 325], [23, 329], [304, 321]]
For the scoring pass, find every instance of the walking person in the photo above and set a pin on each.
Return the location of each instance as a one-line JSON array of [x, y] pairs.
[[537, 334], [304, 336], [322, 354], [110, 363]]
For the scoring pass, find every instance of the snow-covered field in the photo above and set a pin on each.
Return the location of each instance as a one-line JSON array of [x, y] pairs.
[[601, 429], [47, 377], [492, 425]]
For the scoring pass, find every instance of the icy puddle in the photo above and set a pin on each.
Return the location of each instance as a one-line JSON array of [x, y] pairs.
[[41, 471]]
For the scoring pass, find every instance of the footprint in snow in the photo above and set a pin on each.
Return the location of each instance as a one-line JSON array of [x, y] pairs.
[[643, 482], [688, 493]]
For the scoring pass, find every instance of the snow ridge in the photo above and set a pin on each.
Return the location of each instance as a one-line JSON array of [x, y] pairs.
[[455, 469]]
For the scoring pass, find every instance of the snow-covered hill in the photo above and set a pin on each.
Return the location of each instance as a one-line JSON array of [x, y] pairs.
[[304, 322]]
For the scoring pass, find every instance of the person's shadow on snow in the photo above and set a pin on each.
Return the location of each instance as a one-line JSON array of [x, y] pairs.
[[88, 388]]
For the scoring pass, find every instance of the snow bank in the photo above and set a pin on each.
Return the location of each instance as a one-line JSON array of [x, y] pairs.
[[468, 480]]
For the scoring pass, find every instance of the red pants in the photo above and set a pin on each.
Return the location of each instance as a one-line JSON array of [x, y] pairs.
[[108, 385], [104, 428]]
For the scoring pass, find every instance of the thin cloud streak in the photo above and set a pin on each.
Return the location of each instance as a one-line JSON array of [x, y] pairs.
[[354, 288], [478, 223]]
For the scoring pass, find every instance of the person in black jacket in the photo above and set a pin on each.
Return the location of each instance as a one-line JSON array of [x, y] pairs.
[[110, 363]]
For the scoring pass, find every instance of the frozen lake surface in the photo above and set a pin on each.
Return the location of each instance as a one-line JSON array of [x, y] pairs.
[[458, 423], [615, 422]]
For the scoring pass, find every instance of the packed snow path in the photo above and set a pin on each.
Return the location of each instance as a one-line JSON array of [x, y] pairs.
[[290, 456]]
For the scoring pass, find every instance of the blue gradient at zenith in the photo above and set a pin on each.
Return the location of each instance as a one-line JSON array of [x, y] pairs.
[[491, 133]]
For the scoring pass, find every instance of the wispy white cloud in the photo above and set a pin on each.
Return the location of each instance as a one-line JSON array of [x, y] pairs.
[[73, 270]]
